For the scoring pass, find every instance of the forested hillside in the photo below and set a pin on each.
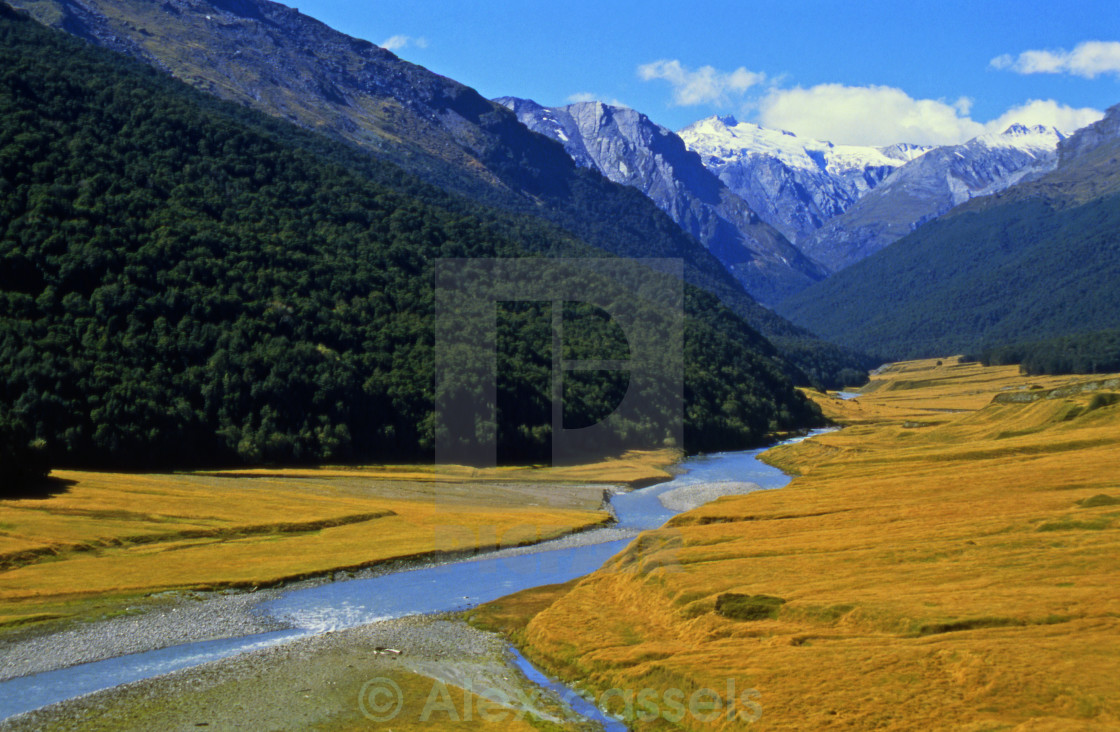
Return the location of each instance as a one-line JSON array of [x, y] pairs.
[[1085, 353], [182, 284], [274, 59]]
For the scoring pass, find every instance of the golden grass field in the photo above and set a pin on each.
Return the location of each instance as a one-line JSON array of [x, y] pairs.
[[947, 561], [111, 539]]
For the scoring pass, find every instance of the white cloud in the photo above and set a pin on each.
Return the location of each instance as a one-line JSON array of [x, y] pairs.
[[1046, 112], [396, 43], [883, 115], [1088, 59], [705, 85], [875, 115], [867, 115]]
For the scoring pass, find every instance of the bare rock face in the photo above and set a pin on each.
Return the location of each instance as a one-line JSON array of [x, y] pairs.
[[628, 148], [1088, 139]]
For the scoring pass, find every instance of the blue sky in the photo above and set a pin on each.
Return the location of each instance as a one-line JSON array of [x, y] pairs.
[[866, 72]]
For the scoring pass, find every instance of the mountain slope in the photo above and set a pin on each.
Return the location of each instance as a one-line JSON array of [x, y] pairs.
[[927, 187], [1038, 260], [628, 148], [181, 285], [273, 59], [794, 184]]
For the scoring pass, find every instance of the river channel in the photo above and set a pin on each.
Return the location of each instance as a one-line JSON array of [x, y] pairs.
[[441, 588]]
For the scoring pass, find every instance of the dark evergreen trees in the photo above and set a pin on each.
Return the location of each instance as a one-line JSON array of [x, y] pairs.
[[184, 283]]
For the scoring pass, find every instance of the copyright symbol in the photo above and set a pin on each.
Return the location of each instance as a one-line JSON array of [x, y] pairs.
[[380, 699]]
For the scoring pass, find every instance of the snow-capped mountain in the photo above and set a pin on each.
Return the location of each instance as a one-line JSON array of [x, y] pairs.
[[793, 183], [628, 148], [930, 185]]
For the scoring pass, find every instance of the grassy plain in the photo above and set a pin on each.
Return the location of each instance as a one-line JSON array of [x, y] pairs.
[[950, 560], [106, 541]]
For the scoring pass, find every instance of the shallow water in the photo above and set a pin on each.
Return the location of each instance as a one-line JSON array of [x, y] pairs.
[[575, 702], [448, 587], [442, 588], [465, 584], [26, 693]]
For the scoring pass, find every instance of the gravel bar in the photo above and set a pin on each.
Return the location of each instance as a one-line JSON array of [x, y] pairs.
[[191, 616]]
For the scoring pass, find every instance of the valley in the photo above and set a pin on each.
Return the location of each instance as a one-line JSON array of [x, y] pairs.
[[982, 597], [324, 405], [947, 560]]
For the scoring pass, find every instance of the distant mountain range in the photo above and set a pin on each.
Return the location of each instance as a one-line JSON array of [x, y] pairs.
[[628, 148], [928, 187], [841, 203], [836, 203], [1038, 260], [793, 183]]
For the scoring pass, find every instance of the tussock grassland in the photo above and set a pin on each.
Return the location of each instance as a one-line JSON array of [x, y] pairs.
[[944, 562], [113, 538], [637, 467]]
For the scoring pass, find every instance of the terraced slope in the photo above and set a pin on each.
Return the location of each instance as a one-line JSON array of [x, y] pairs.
[[946, 561]]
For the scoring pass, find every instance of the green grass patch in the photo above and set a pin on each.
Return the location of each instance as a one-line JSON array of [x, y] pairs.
[[954, 626], [748, 607], [1070, 525], [1101, 499], [1103, 399], [14, 621]]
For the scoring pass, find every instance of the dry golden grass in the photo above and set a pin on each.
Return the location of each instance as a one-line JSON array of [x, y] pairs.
[[943, 562], [636, 467], [110, 538]]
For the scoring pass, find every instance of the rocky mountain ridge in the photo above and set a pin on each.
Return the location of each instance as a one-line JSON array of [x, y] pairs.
[[795, 184], [628, 148]]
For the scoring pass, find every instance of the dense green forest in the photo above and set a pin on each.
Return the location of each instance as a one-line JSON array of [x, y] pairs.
[[181, 285], [998, 273], [1085, 353], [433, 127]]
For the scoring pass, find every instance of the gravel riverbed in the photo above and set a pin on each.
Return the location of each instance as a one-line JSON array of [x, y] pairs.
[[326, 679], [198, 616]]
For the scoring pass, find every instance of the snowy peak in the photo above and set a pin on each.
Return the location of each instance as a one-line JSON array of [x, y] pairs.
[[726, 138], [628, 148], [1036, 139], [795, 184], [930, 186], [1018, 130]]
